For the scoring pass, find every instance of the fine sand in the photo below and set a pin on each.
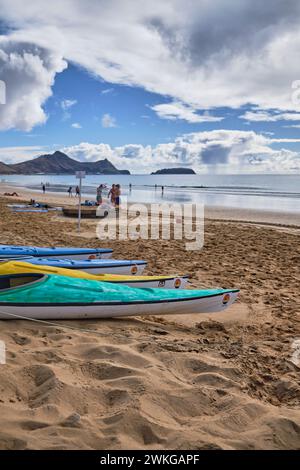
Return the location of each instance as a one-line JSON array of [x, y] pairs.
[[218, 381]]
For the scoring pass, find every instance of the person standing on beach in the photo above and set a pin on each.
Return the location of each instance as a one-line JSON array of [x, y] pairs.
[[43, 188], [99, 194], [162, 190], [77, 191], [117, 196], [70, 191], [112, 194]]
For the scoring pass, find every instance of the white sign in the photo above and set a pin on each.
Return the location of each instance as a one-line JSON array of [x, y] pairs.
[[80, 174]]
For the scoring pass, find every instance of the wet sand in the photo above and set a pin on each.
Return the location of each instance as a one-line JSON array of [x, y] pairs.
[[220, 381]]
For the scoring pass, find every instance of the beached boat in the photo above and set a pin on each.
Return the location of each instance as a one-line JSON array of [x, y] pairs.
[[93, 266], [43, 296], [166, 282], [86, 212], [31, 211], [12, 251]]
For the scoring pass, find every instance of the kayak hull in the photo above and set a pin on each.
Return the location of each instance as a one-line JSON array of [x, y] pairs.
[[156, 283], [116, 269], [100, 310], [167, 282], [12, 251], [78, 256], [94, 266]]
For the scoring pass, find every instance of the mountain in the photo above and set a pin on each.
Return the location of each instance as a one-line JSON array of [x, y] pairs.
[[60, 163], [5, 169], [174, 171]]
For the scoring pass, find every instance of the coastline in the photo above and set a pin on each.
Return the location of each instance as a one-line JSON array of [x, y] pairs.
[[230, 214]]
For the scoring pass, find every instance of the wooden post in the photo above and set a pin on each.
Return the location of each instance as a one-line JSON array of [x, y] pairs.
[[79, 175]]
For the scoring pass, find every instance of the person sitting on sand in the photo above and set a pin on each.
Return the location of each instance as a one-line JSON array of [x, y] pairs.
[[70, 191]]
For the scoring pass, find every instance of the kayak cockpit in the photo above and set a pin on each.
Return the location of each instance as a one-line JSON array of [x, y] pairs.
[[11, 281]]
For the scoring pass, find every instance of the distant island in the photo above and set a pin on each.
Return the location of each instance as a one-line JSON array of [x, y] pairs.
[[59, 163], [174, 171]]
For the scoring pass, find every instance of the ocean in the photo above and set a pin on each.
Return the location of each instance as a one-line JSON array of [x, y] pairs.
[[263, 192]]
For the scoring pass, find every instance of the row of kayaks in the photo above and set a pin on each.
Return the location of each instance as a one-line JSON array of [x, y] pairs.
[[70, 283]]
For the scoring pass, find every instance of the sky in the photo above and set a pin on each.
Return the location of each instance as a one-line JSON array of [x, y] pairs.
[[148, 84]]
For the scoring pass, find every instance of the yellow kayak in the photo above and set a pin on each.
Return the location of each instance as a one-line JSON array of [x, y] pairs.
[[167, 282]]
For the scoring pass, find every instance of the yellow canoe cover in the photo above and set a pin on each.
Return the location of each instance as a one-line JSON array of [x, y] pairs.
[[20, 267]]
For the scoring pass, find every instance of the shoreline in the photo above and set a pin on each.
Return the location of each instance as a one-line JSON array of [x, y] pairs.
[[216, 213]]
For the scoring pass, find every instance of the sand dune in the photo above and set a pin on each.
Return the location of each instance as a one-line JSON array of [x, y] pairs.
[[222, 381]]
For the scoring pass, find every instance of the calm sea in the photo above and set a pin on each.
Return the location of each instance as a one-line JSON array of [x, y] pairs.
[[265, 192]]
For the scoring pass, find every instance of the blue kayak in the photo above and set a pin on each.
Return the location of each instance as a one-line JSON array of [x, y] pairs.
[[94, 266], [12, 251]]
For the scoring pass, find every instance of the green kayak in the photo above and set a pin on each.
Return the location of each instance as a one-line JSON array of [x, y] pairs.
[[61, 297]]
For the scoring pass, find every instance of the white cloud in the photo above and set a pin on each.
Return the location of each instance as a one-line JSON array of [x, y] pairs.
[[203, 54], [220, 150], [76, 125], [107, 91], [268, 116], [108, 121], [176, 110], [67, 104], [2, 92], [20, 154], [28, 71], [226, 151]]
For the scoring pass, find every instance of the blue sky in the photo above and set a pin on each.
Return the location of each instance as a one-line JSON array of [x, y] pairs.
[[152, 87], [130, 107]]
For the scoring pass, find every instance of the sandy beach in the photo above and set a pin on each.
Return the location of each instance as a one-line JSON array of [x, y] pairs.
[[218, 381]]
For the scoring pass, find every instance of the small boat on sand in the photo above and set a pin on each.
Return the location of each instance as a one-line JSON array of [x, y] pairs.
[[46, 296], [167, 282], [12, 251], [86, 212]]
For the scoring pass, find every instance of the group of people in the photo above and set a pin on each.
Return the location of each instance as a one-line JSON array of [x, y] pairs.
[[114, 194], [77, 191]]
